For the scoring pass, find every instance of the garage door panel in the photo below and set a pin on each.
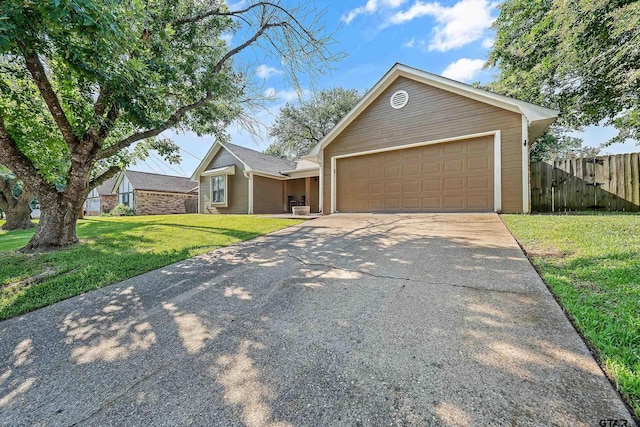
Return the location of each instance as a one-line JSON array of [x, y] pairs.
[[455, 176], [478, 163], [454, 165], [454, 183], [478, 202], [453, 202], [411, 170], [411, 187]]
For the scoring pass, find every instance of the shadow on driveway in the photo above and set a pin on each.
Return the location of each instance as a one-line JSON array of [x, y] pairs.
[[343, 320]]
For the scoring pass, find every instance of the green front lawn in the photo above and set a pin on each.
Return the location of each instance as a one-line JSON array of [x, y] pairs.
[[592, 265], [114, 249]]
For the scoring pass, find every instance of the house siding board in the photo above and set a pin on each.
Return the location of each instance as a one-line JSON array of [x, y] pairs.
[[267, 195], [237, 191], [431, 114], [314, 203]]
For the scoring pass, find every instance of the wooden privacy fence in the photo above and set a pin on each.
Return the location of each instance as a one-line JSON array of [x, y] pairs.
[[609, 183]]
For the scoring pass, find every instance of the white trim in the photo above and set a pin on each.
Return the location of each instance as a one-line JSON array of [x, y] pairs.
[[524, 145], [250, 193], [334, 174], [227, 170], [321, 184], [534, 113], [497, 171], [224, 204], [199, 193], [268, 175], [209, 157]]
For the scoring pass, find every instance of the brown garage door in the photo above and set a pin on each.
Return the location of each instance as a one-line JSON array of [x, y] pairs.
[[453, 176]]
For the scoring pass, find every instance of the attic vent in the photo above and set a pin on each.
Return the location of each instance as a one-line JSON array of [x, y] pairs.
[[399, 99]]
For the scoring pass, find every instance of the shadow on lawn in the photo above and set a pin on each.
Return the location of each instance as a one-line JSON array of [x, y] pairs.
[[416, 321]]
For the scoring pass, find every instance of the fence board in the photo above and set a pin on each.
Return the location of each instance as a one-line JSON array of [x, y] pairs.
[[602, 183]]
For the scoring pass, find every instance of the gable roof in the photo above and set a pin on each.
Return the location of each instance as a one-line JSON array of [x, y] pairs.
[[157, 182], [107, 186], [259, 161], [539, 118], [254, 161]]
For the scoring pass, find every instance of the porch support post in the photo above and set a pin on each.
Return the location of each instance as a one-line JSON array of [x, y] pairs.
[[307, 191], [285, 203]]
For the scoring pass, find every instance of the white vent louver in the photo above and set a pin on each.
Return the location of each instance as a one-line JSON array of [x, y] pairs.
[[399, 99]]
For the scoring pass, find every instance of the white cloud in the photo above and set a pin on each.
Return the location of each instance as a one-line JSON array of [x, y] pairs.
[[410, 43], [488, 43], [284, 95], [458, 25], [464, 69], [264, 71], [226, 37], [370, 7]]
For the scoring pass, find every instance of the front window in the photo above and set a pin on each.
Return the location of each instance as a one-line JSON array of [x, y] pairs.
[[218, 189]]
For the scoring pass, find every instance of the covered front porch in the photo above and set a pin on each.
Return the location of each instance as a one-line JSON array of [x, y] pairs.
[[279, 196]]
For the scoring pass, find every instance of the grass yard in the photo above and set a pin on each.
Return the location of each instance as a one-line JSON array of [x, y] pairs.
[[592, 265], [114, 249]]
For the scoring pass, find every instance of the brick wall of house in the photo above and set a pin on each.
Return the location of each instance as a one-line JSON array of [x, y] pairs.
[[108, 202], [153, 203]]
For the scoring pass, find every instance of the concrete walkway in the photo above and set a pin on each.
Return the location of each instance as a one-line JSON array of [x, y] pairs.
[[343, 320]]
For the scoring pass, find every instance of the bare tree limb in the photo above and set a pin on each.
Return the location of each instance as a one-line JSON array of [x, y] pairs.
[[109, 173], [39, 75], [138, 136]]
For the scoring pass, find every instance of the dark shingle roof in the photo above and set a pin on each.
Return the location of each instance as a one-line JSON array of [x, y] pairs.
[[156, 182], [107, 186], [260, 161]]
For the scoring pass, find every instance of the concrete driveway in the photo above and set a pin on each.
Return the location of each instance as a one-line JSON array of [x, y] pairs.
[[344, 320]]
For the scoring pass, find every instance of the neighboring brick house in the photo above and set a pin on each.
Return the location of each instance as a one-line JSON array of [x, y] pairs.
[[152, 194], [102, 198]]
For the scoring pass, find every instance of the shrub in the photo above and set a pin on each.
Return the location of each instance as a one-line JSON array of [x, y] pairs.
[[122, 210]]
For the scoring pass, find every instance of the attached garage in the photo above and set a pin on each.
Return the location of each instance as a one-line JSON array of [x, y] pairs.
[[418, 142], [451, 176]]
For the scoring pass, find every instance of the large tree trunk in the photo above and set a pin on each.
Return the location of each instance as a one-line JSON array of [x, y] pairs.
[[17, 210], [18, 215], [57, 226]]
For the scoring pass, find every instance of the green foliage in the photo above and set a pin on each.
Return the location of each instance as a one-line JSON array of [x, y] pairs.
[[581, 57], [555, 144], [122, 210], [299, 128], [592, 265], [115, 249]]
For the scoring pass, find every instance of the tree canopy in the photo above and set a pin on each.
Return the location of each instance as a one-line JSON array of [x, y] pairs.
[[580, 56], [82, 81], [298, 128]]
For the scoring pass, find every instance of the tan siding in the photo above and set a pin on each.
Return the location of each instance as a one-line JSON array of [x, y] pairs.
[[314, 200], [431, 114], [237, 186], [267, 195]]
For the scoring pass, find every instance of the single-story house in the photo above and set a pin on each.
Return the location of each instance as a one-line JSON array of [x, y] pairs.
[[235, 179], [102, 198], [416, 142], [146, 193]]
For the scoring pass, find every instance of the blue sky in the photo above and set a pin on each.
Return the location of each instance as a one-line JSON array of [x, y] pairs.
[[450, 38]]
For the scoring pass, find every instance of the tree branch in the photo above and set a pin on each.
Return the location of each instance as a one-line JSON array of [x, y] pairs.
[[39, 75], [109, 173], [16, 161], [138, 136]]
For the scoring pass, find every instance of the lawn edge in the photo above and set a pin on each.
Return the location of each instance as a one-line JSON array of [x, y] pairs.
[[592, 350], [164, 266]]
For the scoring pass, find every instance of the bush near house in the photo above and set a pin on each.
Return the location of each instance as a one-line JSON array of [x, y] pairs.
[[112, 250], [591, 263]]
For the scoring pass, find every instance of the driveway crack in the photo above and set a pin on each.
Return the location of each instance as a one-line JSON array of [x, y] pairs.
[[111, 401], [407, 279]]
